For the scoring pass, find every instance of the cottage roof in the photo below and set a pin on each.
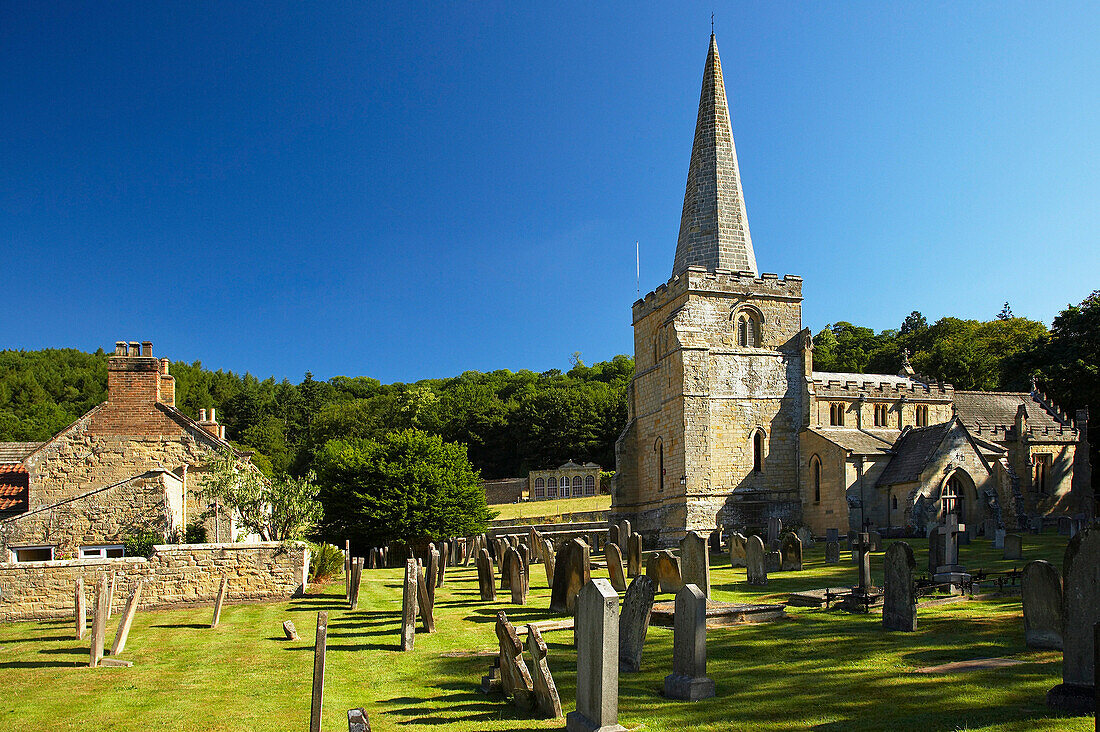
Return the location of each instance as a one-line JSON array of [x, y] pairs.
[[17, 452], [859, 442], [13, 488]]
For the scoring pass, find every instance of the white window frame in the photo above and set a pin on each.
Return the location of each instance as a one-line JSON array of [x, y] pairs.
[[16, 549], [99, 551]]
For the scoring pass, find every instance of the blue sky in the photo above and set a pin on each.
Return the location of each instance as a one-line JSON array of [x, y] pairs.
[[406, 191]]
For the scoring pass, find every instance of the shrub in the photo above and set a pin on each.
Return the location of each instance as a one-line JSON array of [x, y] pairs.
[[196, 534], [141, 545], [325, 561]]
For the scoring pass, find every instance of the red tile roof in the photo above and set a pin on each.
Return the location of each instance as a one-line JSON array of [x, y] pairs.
[[13, 488]]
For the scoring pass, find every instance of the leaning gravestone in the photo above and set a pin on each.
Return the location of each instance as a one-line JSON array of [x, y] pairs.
[[737, 549], [633, 555], [597, 629], [664, 569], [408, 605], [615, 566], [790, 553], [1014, 546], [546, 691], [695, 562], [634, 622], [486, 583], [613, 534], [424, 600], [432, 572], [571, 572], [290, 631], [754, 562], [899, 602], [548, 557], [688, 679], [832, 552], [1042, 600], [99, 622], [80, 609], [515, 679], [128, 613], [1080, 613]]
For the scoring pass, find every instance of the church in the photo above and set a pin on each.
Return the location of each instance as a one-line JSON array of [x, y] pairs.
[[728, 424]]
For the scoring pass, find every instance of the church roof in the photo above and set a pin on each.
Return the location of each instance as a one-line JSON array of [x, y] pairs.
[[857, 441], [714, 228], [912, 453], [983, 410]]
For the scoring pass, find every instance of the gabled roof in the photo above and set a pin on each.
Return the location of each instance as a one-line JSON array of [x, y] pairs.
[[913, 452], [858, 442], [17, 452], [987, 409]]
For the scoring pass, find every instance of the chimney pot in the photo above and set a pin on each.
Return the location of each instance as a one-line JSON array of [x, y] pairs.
[[135, 348], [120, 348], [213, 418], [202, 415], [146, 348], [164, 366]]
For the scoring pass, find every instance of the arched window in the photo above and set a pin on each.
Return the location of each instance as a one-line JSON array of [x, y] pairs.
[[589, 485], [552, 487], [758, 451], [742, 331], [748, 327], [894, 503], [659, 448], [578, 486], [1042, 468], [654, 351], [922, 415], [881, 411], [836, 414], [540, 488], [815, 477]]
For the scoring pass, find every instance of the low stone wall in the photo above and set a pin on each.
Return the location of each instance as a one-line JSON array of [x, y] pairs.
[[557, 518], [176, 574]]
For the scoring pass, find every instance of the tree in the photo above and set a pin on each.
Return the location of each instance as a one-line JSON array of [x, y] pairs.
[[402, 486], [1006, 312], [279, 509]]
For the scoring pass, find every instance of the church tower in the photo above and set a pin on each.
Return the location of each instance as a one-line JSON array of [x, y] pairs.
[[721, 363]]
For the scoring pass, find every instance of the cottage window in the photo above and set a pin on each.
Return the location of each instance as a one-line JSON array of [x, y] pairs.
[[33, 553], [1042, 470], [881, 415], [589, 485], [659, 448], [540, 488], [102, 552]]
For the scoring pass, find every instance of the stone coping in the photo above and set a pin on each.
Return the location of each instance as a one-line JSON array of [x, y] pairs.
[[157, 548]]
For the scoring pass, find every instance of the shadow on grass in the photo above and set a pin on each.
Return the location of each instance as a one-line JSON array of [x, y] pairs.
[[197, 626], [42, 639], [40, 664], [65, 651]]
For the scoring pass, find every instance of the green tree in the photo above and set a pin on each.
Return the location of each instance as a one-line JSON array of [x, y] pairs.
[[279, 509]]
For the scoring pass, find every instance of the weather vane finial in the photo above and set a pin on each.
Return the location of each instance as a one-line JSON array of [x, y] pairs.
[[712, 24]]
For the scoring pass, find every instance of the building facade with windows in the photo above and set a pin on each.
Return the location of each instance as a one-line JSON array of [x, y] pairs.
[[729, 424], [570, 480]]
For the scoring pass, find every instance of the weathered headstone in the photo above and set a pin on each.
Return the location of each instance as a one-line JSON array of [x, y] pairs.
[[861, 547], [111, 596], [935, 549], [1036, 525], [688, 679], [876, 540], [634, 622], [805, 536], [633, 554], [347, 569], [1014, 546], [320, 645], [737, 549], [505, 571], [408, 605], [790, 553], [127, 620], [572, 571], [218, 603], [99, 622], [1042, 600], [772, 561], [613, 534], [1065, 525], [290, 631], [695, 562], [467, 549], [998, 538], [546, 691], [549, 561], [775, 528], [714, 542], [358, 720], [486, 583], [988, 527], [1080, 613], [441, 568], [432, 574], [80, 609], [356, 582], [624, 535], [425, 602], [515, 679], [899, 602], [832, 535], [832, 552], [754, 562], [664, 569], [614, 559], [518, 582], [597, 630]]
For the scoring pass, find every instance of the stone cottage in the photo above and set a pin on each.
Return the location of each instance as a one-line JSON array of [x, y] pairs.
[[729, 424]]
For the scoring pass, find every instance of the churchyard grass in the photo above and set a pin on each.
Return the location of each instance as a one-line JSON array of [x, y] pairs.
[[535, 509], [825, 670]]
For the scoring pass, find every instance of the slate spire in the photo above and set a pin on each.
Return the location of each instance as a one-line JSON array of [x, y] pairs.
[[714, 229]]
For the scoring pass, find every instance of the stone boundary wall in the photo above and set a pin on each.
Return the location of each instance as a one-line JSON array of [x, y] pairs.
[[599, 516], [176, 574], [504, 490]]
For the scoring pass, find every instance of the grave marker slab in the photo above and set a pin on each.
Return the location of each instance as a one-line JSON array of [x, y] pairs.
[[432, 574], [772, 561], [633, 554], [425, 602], [832, 535], [111, 597], [358, 721], [790, 553], [861, 548], [549, 562], [1042, 600], [737, 549], [485, 581], [695, 562], [624, 536], [899, 602], [546, 691], [597, 644], [805, 536], [688, 679], [1014, 546], [218, 603], [754, 562], [80, 609], [998, 538], [408, 605], [572, 571], [290, 631], [320, 645], [634, 622], [123, 631], [99, 622], [518, 581], [832, 552], [515, 679], [614, 559], [1080, 613], [664, 569]]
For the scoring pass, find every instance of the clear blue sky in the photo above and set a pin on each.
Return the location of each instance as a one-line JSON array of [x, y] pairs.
[[405, 191]]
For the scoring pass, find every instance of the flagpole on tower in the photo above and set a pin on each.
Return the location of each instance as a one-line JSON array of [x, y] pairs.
[[637, 269]]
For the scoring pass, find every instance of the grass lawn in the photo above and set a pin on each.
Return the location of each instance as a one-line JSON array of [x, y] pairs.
[[822, 670], [534, 509]]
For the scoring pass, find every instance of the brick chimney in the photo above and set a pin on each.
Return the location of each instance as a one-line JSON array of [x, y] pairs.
[[134, 377]]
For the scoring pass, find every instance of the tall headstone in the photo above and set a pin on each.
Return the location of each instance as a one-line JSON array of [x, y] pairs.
[[633, 554], [935, 549], [80, 609], [775, 528], [356, 581], [772, 561], [424, 601], [347, 569], [486, 583], [861, 547], [1014, 546], [127, 620], [111, 596], [99, 621], [549, 561], [988, 527], [899, 601], [1081, 611], [408, 605], [614, 559], [624, 535], [572, 571], [951, 531], [441, 567], [518, 581], [218, 603], [1042, 600], [613, 534], [737, 549], [505, 571], [432, 573], [998, 538], [688, 679], [320, 646], [664, 569], [597, 629], [754, 562], [695, 562], [790, 553], [805, 536], [832, 552], [515, 678], [832, 535], [546, 691], [876, 540], [634, 622]]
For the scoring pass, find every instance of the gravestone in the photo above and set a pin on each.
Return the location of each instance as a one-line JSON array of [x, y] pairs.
[[468, 549], [320, 644], [634, 555], [772, 561], [111, 596], [737, 549], [506, 555], [664, 569], [1036, 525], [572, 571], [861, 548], [486, 583], [80, 609], [899, 602], [431, 573], [546, 691], [525, 558], [832, 552], [775, 529], [408, 605], [688, 679], [597, 630], [935, 549], [624, 536], [951, 531], [548, 561], [1042, 600], [876, 541], [805, 536], [998, 538], [425, 604], [358, 720], [754, 562], [518, 583], [218, 603], [290, 631], [441, 567], [790, 553], [634, 622], [127, 620], [695, 562], [1014, 546], [515, 679], [614, 559], [347, 570], [714, 543], [1080, 613], [613, 534], [988, 527], [1065, 525], [99, 622], [356, 582], [832, 535]]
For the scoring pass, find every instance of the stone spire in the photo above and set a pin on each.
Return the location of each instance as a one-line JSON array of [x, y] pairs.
[[714, 230]]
